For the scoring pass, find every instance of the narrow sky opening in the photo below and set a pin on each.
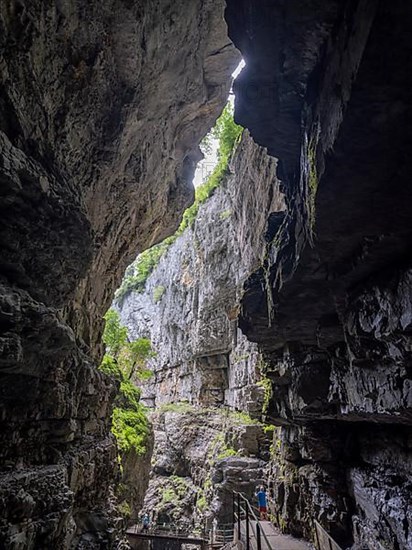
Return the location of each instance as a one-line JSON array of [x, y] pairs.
[[206, 166]]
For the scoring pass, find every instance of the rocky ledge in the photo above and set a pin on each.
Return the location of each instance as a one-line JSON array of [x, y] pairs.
[[102, 108], [331, 306]]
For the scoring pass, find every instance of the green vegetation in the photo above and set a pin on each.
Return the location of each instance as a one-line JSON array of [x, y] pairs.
[[269, 429], [158, 293], [124, 360], [242, 419], [225, 214], [219, 449], [124, 509], [168, 495], [239, 358], [227, 132], [201, 503], [174, 490], [122, 356], [182, 407], [226, 453], [266, 384], [138, 272]]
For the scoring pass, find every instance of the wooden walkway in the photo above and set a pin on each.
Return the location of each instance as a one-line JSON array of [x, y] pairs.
[[276, 540], [134, 533]]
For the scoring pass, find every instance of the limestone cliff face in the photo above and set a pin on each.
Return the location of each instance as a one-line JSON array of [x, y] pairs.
[[325, 90], [102, 107], [200, 456], [191, 302], [205, 369]]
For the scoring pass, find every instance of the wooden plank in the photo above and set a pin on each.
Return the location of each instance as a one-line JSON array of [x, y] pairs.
[[324, 540]]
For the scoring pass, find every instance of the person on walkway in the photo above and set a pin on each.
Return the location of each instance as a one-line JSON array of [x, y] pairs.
[[262, 503], [146, 522]]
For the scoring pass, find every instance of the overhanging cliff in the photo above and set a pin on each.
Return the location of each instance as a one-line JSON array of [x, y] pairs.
[[102, 107], [326, 91]]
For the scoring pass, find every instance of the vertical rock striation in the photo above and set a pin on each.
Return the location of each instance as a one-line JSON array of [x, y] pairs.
[[102, 107], [205, 370], [326, 91]]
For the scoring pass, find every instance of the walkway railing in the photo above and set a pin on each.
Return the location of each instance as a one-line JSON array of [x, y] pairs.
[[243, 511], [323, 539]]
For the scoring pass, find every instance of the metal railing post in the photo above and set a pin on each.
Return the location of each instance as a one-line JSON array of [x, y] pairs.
[[247, 529], [258, 540], [238, 517]]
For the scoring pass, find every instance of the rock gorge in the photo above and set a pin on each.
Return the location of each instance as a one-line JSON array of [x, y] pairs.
[[206, 394], [102, 108]]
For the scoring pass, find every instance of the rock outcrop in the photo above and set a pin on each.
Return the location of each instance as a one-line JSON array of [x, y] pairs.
[[204, 369], [326, 91], [102, 107], [200, 456], [191, 300]]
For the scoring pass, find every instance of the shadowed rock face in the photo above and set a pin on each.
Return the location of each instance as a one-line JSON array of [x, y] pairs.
[[326, 90], [102, 107]]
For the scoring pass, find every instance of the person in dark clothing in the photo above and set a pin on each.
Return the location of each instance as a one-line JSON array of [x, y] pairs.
[[262, 503], [146, 522]]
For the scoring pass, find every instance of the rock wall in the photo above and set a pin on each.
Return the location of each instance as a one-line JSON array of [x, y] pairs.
[[205, 370], [326, 91], [102, 107], [201, 455], [191, 300]]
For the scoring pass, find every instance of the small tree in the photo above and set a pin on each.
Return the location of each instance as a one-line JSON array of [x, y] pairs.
[[129, 357]]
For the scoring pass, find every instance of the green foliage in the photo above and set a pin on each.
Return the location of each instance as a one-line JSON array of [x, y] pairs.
[[242, 418], [266, 384], [226, 453], [219, 449], [137, 274], [269, 429], [227, 132], [130, 394], [130, 427], [182, 407], [201, 503], [239, 358], [109, 366], [225, 214], [174, 490], [168, 495], [206, 144], [122, 360], [122, 356], [115, 335], [158, 293], [124, 509]]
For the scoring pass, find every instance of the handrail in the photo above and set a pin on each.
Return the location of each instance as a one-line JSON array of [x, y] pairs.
[[323, 539], [248, 511]]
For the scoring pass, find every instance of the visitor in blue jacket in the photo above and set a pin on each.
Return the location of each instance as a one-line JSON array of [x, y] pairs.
[[262, 503]]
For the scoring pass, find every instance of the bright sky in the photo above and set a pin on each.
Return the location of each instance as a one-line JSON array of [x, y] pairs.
[[206, 166]]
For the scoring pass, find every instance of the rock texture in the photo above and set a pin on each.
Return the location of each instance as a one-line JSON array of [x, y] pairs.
[[326, 91], [205, 369], [102, 107], [201, 456], [191, 301]]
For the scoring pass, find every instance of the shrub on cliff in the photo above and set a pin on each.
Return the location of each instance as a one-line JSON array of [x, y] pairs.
[[124, 360]]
